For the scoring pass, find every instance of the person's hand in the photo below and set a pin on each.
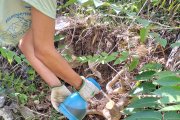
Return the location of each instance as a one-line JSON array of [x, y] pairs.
[[88, 89], [58, 94]]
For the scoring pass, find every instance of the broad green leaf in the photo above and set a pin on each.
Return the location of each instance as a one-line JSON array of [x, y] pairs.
[[123, 57], [161, 41], [143, 102], [168, 81], [131, 14], [17, 59], [154, 35], [130, 111], [169, 94], [144, 88], [151, 66], [10, 56], [171, 108], [171, 116], [143, 34], [98, 3], [110, 58], [145, 75], [144, 22], [3, 52], [133, 64], [165, 74], [176, 44], [157, 37], [145, 115], [116, 8], [104, 54]]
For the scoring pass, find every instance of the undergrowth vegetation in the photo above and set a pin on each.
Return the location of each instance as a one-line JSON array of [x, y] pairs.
[[105, 36]]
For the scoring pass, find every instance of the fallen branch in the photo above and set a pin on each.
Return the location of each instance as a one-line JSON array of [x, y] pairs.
[[94, 111], [114, 111], [173, 59], [113, 81], [92, 67]]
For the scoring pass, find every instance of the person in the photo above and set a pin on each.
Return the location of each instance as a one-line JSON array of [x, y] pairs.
[[31, 25]]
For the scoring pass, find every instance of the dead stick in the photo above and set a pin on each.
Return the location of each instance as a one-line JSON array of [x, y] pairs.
[[114, 80], [113, 110]]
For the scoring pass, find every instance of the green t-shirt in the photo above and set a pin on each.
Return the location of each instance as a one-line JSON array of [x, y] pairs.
[[15, 17]]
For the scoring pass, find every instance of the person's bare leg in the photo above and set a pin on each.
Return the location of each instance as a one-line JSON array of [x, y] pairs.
[[43, 28], [27, 48]]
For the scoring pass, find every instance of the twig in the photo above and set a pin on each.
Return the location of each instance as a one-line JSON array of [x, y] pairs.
[[114, 80], [94, 111]]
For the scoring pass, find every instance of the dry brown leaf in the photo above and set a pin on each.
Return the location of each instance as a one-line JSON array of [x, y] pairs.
[[142, 51]]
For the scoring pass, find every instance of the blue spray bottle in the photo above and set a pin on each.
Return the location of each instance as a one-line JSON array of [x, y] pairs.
[[74, 107]]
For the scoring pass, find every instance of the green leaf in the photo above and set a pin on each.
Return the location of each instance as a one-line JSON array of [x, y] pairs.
[[170, 94], [133, 64], [145, 75], [17, 59], [82, 1], [122, 58], [143, 34], [23, 98], [171, 108], [161, 41], [58, 38], [145, 115], [144, 22], [111, 57], [154, 35], [82, 59], [10, 56], [98, 3], [171, 116], [168, 81], [151, 66], [116, 8], [3, 52], [157, 37], [176, 44], [165, 74], [104, 54], [69, 2], [144, 88], [130, 111], [143, 102]]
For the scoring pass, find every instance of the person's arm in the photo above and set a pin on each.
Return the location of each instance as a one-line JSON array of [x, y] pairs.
[[43, 28], [58, 92], [27, 48]]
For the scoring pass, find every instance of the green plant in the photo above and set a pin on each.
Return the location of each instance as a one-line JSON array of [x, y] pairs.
[[16, 86], [156, 94]]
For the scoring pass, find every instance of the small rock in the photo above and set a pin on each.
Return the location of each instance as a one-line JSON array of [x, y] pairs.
[[6, 113], [2, 101], [26, 113]]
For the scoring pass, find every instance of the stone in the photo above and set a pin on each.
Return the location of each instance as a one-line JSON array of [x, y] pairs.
[[2, 101]]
